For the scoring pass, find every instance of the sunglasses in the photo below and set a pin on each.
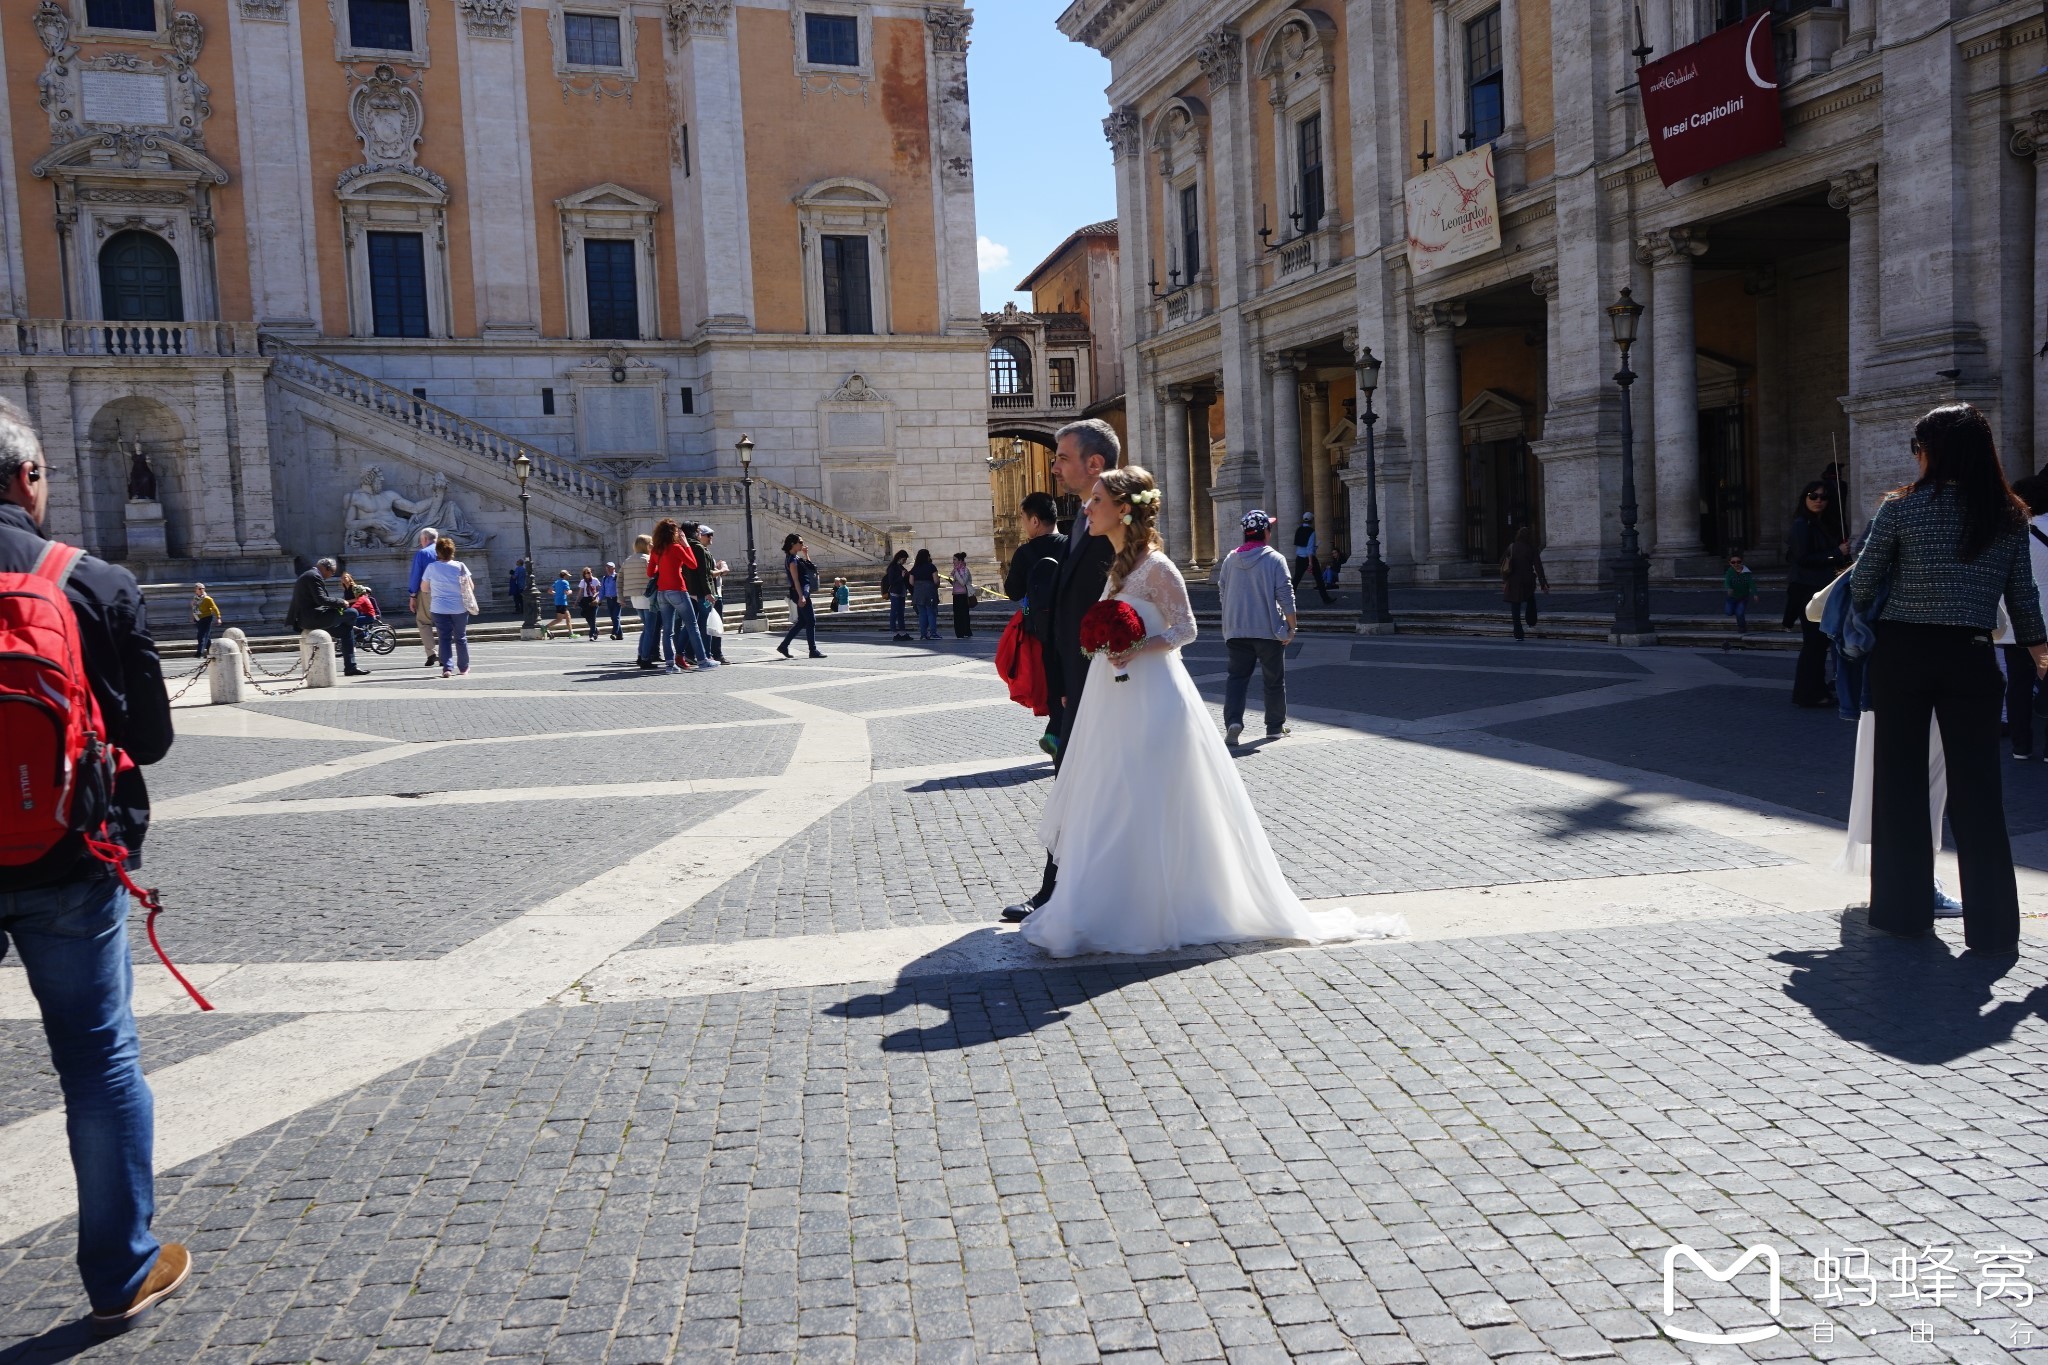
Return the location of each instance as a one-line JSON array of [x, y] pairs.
[[33, 472]]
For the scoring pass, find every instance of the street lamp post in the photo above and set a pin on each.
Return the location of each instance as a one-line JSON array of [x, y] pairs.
[[745, 446], [1375, 617], [529, 627], [1631, 566]]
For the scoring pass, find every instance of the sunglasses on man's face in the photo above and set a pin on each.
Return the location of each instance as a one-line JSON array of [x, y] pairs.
[[33, 472]]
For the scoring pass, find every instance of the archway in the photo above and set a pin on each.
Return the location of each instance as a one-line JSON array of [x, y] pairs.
[[139, 279], [111, 437]]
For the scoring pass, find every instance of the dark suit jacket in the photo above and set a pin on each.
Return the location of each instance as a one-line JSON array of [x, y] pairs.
[[1083, 574], [315, 606]]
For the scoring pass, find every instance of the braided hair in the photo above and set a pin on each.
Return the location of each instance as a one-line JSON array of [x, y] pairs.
[[1132, 489]]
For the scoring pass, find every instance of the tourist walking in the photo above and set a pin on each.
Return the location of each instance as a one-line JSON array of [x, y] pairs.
[[64, 912], [1305, 559], [711, 605], [1816, 552], [800, 577], [681, 646], [963, 596], [1738, 590], [1043, 544], [1081, 452], [924, 594], [316, 606], [418, 599], [205, 618], [589, 593], [562, 588], [522, 575], [1944, 551], [1259, 620], [896, 587], [608, 602], [454, 603], [1521, 575], [696, 572], [638, 578]]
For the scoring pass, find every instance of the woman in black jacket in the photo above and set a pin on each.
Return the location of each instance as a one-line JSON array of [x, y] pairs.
[[1816, 555], [896, 587]]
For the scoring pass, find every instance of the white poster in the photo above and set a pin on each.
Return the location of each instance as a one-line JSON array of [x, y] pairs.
[[1452, 213]]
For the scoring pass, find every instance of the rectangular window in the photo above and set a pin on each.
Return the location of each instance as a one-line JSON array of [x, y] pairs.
[[613, 290], [547, 402], [1062, 369], [592, 39], [136, 15], [849, 307], [398, 284], [1308, 166], [383, 24], [689, 400], [1483, 108], [831, 40], [1190, 234]]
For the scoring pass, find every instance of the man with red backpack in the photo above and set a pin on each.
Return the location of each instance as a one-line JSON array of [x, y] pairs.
[[82, 702]]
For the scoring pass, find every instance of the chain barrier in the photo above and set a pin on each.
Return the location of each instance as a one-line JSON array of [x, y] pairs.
[[186, 682], [292, 675]]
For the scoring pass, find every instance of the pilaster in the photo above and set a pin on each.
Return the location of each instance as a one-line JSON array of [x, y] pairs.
[[958, 266], [504, 254], [711, 175]]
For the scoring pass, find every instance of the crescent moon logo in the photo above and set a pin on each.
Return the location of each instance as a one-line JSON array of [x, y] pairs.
[[1749, 55]]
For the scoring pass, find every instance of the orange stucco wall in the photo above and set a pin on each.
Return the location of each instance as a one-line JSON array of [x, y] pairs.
[[1064, 288], [1503, 359], [31, 136], [795, 141], [1539, 116], [1418, 58]]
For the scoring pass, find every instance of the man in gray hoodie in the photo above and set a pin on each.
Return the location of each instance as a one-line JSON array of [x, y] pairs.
[[1258, 623]]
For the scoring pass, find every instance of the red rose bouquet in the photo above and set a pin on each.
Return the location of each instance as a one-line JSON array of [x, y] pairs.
[[1112, 627]]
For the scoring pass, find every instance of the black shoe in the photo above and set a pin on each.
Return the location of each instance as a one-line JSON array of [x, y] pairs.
[[1992, 954], [817, 654], [1018, 913], [355, 673], [783, 650], [432, 659], [646, 663]]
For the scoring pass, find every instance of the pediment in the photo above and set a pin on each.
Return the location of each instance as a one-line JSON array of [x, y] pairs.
[[1341, 435], [415, 184], [609, 196], [1494, 415], [129, 154]]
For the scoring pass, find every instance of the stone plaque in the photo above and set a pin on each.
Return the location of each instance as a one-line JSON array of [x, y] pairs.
[[862, 492], [620, 420], [126, 97], [855, 431]]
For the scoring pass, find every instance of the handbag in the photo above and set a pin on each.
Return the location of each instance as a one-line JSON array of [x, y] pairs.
[[714, 624]]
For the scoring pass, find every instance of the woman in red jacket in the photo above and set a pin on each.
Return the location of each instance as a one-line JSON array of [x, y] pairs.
[[677, 630]]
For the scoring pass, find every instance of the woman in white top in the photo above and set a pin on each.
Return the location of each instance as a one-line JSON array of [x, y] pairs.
[[451, 587]]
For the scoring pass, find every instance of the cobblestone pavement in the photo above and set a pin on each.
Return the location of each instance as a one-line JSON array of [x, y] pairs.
[[574, 1013]]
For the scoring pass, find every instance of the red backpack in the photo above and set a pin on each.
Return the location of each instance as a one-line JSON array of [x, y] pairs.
[[58, 768]]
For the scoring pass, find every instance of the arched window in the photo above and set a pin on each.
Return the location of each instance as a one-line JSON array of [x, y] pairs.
[[1009, 367], [139, 279]]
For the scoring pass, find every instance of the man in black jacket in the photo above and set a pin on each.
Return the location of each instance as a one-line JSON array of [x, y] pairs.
[[1082, 450], [66, 915], [315, 606]]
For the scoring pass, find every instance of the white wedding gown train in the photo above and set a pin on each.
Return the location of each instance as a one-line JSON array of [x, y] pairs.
[[1157, 843]]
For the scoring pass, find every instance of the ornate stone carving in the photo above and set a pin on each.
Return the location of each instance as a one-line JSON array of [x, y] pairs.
[[1543, 284], [1220, 54], [856, 390], [1431, 316], [53, 27], [1124, 130], [187, 36], [489, 18], [119, 91], [948, 28], [1350, 340], [374, 515], [1671, 246], [1855, 192], [2030, 134], [279, 10], [388, 117], [712, 17]]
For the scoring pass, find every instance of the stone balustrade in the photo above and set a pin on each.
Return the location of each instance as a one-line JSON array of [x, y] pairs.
[[140, 340]]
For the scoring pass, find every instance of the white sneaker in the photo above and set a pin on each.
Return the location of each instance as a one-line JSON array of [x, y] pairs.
[[1945, 905]]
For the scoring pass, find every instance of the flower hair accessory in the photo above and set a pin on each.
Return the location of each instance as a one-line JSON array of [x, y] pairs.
[[1144, 497]]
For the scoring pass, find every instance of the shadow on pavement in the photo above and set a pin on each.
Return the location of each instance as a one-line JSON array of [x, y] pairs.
[[1004, 777], [62, 1342], [1908, 998]]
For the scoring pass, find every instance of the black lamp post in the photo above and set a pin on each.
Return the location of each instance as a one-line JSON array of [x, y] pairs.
[[745, 446], [1631, 566], [1375, 617], [529, 627]]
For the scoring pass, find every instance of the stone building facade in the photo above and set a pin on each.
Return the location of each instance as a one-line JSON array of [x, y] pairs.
[[278, 242], [1804, 304]]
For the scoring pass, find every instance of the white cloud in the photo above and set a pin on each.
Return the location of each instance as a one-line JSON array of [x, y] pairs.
[[992, 255]]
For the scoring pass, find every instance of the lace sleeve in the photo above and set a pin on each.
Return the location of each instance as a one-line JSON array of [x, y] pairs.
[[1160, 583]]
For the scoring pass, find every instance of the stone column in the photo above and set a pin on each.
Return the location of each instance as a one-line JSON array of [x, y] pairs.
[[1317, 395], [1443, 137], [504, 254], [277, 192], [1443, 455], [1856, 195], [953, 171], [2029, 138], [1674, 388], [1285, 369], [257, 528], [711, 202], [210, 512], [1201, 507], [1174, 519]]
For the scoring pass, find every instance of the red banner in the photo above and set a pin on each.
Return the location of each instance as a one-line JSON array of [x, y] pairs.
[[1714, 102]]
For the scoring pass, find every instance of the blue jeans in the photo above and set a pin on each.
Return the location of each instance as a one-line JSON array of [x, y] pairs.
[[928, 620], [452, 630], [803, 616], [73, 941], [712, 643], [679, 627], [204, 631], [611, 610], [650, 625], [897, 616]]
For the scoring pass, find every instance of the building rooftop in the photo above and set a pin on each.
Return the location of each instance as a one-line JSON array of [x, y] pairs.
[[1105, 228]]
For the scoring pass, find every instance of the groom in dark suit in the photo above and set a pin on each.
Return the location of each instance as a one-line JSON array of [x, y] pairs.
[[1081, 451]]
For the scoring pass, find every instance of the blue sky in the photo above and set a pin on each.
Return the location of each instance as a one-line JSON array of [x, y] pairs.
[[1041, 166]]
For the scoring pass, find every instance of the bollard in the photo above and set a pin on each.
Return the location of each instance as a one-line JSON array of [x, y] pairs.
[[224, 680], [235, 633], [316, 651]]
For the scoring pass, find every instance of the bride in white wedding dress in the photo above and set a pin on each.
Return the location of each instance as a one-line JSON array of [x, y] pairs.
[[1157, 843]]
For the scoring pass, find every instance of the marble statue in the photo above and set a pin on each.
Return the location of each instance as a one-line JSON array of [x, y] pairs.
[[444, 514], [141, 478], [375, 515]]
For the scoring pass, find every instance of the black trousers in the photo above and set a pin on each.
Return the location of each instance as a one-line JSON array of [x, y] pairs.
[[2020, 685], [1810, 674], [1307, 564], [963, 616], [1063, 725], [1947, 672], [1523, 613]]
